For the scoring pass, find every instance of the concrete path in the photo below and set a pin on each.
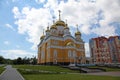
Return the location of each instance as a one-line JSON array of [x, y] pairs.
[[106, 73], [11, 74]]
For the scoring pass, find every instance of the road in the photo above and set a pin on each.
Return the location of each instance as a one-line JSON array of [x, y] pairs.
[[11, 74]]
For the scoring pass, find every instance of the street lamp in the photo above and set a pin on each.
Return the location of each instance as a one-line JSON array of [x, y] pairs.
[[80, 58]]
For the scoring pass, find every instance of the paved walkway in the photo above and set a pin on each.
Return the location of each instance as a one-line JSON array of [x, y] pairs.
[[106, 73], [11, 74]]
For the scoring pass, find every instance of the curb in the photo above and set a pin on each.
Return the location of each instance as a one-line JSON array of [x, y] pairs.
[[19, 74], [3, 72]]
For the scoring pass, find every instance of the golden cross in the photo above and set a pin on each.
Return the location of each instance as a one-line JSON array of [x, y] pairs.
[[77, 27], [66, 21], [59, 14], [43, 31], [48, 27]]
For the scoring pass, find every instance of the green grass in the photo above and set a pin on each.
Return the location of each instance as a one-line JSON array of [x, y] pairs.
[[106, 68], [35, 75], [45, 68], [1, 69], [68, 77]]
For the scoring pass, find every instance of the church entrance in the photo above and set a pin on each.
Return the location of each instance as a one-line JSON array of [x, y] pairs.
[[55, 57]]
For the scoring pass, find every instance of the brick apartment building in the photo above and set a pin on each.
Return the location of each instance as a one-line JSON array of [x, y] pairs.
[[105, 50]]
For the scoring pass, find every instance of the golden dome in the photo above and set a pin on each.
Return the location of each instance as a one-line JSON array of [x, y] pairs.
[[78, 33], [42, 37], [53, 26], [60, 23], [66, 27], [70, 44], [47, 30]]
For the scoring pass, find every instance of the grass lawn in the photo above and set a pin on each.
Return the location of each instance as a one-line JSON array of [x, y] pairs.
[[45, 68], [36, 75], [67, 77], [1, 69], [107, 69]]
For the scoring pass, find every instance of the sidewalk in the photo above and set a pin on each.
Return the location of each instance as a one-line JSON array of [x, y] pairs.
[[11, 74], [106, 73]]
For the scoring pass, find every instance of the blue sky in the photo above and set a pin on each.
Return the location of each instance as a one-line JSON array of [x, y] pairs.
[[22, 22]]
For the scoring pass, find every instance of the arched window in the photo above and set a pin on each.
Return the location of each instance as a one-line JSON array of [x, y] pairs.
[[74, 54], [48, 55], [69, 54], [55, 57], [55, 54], [42, 55]]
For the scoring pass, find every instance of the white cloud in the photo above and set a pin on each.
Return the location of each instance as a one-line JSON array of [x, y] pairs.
[[13, 54], [9, 26], [111, 11], [6, 42], [40, 1], [31, 21], [87, 50], [105, 31], [16, 12]]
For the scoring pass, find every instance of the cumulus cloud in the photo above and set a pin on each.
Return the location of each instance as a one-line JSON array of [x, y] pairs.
[[9, 26], [110, 11], [31, 21], [13, 54], [40, 1], [105, 31]]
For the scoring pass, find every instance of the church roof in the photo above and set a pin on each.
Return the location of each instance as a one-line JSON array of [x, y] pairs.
[[78, 33], [60, 23], [42, 37], [53, 26]]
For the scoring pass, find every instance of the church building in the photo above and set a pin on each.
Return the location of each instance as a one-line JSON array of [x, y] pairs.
[[58, 46]]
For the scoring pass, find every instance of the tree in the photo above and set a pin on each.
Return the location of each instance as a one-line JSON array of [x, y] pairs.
[[26, 60], [2, 60], [33, 60], [19, 60]]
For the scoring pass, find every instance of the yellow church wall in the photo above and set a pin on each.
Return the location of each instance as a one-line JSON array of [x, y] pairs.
[[77, 45], [44, 50], [62, 54], [66, 55], [39, 55], [53, 48]]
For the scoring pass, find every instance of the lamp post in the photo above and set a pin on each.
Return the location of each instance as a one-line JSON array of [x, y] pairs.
[[80, 58]]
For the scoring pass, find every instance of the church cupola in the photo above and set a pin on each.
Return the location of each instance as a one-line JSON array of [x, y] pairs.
[[53, 29], [60, 26], [66, 29], [78, 34], [60, 22], [66, 25], [47, 31], [43, 36]]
